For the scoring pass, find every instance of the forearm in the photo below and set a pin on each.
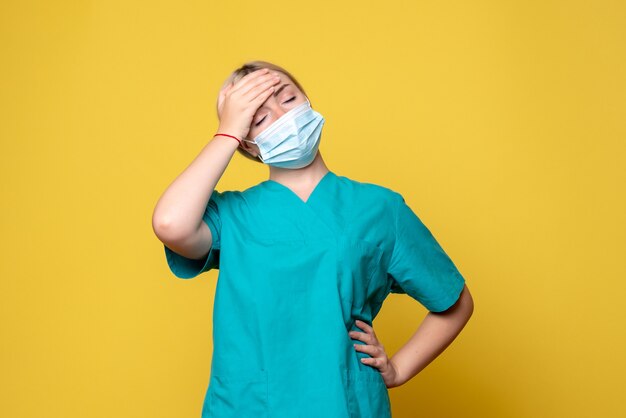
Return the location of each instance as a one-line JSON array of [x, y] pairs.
[[179, 210], [432, 337]]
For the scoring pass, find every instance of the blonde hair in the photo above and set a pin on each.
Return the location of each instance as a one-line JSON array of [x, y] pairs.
[[247, 68]]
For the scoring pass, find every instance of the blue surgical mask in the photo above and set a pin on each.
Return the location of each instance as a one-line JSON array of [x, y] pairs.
[[293, 139]]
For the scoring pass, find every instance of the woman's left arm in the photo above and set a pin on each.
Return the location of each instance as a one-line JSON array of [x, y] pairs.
[[433, 336]]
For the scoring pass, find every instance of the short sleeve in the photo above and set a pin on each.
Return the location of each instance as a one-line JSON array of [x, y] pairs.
[[419, 266], [187, 268]]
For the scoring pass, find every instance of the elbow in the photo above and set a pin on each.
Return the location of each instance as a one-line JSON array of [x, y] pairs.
[[160, 225], [166, 228]]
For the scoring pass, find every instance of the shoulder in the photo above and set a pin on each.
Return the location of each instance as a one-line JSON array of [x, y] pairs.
[[225, 199], [375, 193], [224, 196], [234, 199]]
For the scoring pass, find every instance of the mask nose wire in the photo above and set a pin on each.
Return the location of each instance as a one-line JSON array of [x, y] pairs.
[[254, 142]]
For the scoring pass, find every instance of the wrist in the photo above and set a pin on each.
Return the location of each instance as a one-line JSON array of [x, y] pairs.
[[230, 130], [398, 380], [227, 136]]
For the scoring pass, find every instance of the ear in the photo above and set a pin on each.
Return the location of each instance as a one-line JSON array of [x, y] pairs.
[[250, 150]]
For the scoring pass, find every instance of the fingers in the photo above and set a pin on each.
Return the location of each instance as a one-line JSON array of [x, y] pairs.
[[368, 339], [251, 80], [252, 89], [378, 357], [372, 346], [367, 328], [364, 326], [362, 336], [374, 362], [372, 350], [263, 95], [243, 81], [260, 87], [262, 91]]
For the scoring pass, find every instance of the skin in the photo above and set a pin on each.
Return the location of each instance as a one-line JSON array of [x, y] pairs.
[[177, 217], [433, 336], [301, 181]]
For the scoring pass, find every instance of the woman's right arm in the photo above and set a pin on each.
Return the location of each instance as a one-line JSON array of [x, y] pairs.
[[177, 217]]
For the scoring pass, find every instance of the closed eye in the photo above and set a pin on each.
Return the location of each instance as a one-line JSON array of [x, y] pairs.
[[261, 121]]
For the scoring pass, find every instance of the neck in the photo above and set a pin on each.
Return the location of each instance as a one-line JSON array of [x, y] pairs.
[[305, 175]]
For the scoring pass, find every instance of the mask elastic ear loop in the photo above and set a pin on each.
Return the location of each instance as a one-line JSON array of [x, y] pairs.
[[252, 142]]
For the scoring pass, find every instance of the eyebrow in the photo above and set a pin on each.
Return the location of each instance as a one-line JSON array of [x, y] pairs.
[[277, 92]]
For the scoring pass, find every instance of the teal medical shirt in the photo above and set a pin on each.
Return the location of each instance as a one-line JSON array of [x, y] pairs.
[[293, 278]]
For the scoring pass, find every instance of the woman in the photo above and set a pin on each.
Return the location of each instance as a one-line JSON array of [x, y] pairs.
[[306, 259]]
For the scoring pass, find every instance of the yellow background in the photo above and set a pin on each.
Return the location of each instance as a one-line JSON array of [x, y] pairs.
[[501, 122]]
